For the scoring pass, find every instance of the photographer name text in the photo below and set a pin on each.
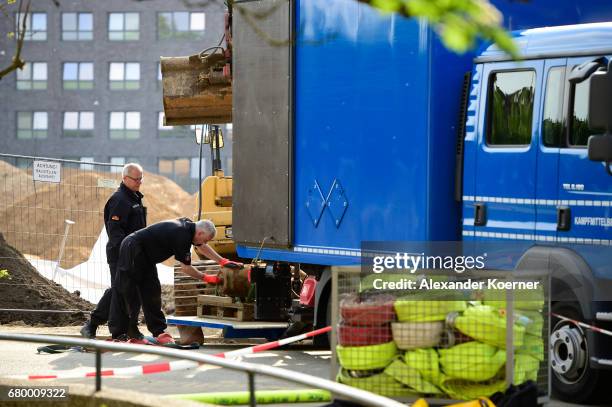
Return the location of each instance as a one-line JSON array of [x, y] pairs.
[[469, 284]]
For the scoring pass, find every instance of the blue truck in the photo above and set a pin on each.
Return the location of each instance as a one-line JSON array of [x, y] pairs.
[[355, 126]]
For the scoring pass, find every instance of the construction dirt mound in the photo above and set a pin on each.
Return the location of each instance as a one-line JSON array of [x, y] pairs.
[[22, 287], [33, 214]]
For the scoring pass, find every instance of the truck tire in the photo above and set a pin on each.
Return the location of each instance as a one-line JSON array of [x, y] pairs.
[[324, 340], [572, 377]]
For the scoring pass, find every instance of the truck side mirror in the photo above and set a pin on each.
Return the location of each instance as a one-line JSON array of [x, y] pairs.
[[600, 101], [600, 149], [583, 71], [600, 117]]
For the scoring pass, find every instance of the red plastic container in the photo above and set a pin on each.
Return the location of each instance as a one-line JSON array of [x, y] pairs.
[[349, 335], [374, 310]]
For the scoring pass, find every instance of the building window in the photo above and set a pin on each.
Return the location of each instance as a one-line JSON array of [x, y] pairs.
[[32, 76], [78, 124], [32, 125], [84, 166], [121, 161], [36, 26], [510, 108], [123, 26], [124, 125], [124, 75], [195, 168], [66, 164], [78, 75], [174, 168], [173, 131], [180, 25], [117, 161], [183, 171], [77, 26], [83, 163], [23, 163]]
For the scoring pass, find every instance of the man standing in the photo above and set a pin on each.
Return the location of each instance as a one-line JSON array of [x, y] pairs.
[[123, 214], [136, 270]]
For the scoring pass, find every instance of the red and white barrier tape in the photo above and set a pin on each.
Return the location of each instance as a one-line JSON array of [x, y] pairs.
[[582, 324], [177, 364], [272, 345]]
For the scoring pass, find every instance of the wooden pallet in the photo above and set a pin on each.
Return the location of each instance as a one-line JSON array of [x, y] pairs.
[[187, 289], [212, 306]]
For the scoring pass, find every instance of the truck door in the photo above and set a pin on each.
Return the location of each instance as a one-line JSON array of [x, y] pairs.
[[584, 208], [551, 120], [506, 157]]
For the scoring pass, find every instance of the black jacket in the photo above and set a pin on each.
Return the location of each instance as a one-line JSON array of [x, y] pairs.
[[167, 238], [123, 214]]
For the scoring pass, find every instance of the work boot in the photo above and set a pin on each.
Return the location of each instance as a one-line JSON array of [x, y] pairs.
[[141, 340], [135, 336], [164, 338], [134, 332], [89, 330]]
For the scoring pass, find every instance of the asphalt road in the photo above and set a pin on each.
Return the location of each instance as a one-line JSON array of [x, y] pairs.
[[19, 358]]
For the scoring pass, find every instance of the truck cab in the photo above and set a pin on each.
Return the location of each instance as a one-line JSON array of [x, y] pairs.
[[528, 178]]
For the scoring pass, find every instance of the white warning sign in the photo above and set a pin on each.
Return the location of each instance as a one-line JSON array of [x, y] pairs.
[[47, 171]]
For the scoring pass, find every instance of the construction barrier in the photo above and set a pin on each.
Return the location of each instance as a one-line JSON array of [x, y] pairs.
[[453, 344]]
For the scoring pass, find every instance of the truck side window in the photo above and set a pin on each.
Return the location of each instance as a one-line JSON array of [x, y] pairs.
[[579, 128], [510, 107], [552, 119]]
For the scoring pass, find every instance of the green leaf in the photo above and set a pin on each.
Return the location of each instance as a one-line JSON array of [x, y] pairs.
[[458, 22], [457, 34], [387, 5]]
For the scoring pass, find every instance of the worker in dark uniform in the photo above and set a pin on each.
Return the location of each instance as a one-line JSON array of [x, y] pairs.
[[136, 270], [123, 214]]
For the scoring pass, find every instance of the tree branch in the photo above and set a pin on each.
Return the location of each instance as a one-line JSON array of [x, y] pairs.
[[17, 62]]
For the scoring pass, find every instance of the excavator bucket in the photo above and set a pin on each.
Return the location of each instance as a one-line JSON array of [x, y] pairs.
[[197, 90]]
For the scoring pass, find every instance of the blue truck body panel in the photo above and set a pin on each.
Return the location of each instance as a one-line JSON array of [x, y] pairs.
[[376, 106]]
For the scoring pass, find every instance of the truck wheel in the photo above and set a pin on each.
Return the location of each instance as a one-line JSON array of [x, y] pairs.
[[572, 377], [324, 340]]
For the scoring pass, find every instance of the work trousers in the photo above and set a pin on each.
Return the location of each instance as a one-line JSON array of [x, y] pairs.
[[135, 274], [99, 316]]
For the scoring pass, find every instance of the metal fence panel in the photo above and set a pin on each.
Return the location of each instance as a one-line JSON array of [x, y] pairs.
[[51, 211]]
